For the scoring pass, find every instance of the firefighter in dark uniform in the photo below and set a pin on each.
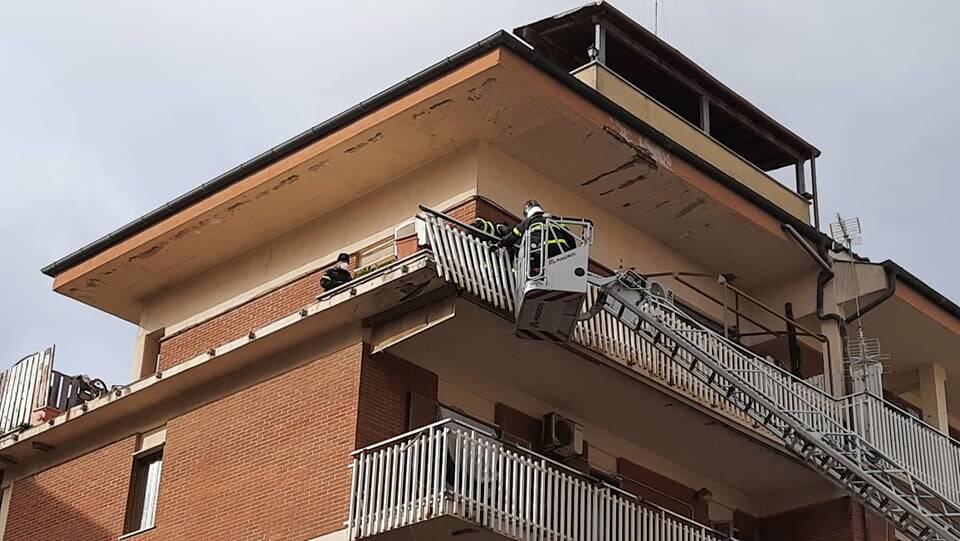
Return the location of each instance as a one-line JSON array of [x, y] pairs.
[[338, 274], [494, 229], [559, 238]]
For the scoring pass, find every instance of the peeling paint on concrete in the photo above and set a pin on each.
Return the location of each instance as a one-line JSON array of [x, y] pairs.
[[289, 180], [148, 253], [689, 208], [238, 204], [476, 93], [370, 140], [318, 165]]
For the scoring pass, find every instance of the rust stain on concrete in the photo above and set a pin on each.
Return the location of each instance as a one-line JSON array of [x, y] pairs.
[[640, 156], [689, 208]]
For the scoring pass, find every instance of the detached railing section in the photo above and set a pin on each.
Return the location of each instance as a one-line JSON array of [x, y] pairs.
[[450, 469], [32, 384], [23, 388]]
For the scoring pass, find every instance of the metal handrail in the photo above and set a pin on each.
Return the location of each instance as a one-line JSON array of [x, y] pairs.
[[442, 428], [835, 411]]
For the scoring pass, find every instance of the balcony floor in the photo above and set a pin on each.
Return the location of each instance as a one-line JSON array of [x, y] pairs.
[[438, 529], [477, 351]]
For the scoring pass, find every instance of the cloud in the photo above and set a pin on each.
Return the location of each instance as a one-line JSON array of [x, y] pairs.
[[109, 109]]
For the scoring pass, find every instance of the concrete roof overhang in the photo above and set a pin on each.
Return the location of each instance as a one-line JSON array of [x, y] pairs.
[[237, 364], [470, 95], [499, 96], [915, 331]]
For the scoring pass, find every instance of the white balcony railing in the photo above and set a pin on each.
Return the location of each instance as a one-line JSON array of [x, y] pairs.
[[922, 450], [450, 469]]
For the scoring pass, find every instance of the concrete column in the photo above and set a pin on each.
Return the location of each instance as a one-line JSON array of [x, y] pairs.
[[833, 358], [933, 396]]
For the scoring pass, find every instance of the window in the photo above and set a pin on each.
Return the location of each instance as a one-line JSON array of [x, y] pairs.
[[144, 487]]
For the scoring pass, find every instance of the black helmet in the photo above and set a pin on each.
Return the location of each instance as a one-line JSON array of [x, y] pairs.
[[531, 208], [343, 258]]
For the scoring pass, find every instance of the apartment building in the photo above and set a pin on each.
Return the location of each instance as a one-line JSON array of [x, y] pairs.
[[720, 389]]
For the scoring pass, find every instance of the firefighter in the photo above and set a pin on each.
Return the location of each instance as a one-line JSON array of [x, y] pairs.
[[494, 229], [559, 238], [338, 274], [486, 226]]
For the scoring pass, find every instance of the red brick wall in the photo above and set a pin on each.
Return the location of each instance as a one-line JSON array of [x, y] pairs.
[[284, 300], [661, 490], [385, 385], [83, 500], [837, 520], [241, 320], [267, 462]]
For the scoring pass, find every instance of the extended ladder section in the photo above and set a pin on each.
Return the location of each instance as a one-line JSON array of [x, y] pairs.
[[906, 472], [786, 407]]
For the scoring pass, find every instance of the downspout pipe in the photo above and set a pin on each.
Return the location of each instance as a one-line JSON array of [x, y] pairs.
[[822, 256]]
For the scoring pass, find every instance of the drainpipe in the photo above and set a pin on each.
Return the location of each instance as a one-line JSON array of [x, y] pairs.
[[822, 256]]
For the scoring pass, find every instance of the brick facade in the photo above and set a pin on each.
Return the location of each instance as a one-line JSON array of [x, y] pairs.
[[83, 500], [836, 520], [385, 386], [267, 462], [284, 300]]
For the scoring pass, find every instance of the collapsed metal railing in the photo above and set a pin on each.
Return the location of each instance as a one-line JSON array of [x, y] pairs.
[[450, 469], [32, 384]]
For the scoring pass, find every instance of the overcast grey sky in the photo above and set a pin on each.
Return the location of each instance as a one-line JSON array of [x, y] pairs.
[[109, 109]]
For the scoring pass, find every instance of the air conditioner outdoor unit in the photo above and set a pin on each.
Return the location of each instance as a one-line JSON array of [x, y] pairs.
[[660, 290], [561, 436]]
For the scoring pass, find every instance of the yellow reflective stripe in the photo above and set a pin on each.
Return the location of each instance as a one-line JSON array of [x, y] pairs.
[[516, 231], [557, 241]]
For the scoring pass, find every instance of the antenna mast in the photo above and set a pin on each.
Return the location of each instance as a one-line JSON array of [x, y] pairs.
[[864, 358]]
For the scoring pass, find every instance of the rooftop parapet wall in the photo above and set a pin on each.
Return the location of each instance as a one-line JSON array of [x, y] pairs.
[[693, 139]]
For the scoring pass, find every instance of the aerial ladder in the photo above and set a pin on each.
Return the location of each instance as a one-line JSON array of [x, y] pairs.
[[548, 294]]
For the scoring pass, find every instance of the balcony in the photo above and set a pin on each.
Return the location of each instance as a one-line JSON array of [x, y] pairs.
[[32, 392], [932, 457], [448, 479]]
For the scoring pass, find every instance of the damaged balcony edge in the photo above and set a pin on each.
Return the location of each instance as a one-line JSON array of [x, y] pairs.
[[774, 183], [29, 437]]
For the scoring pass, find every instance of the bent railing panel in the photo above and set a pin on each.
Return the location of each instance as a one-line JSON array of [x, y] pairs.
[[23, 388]]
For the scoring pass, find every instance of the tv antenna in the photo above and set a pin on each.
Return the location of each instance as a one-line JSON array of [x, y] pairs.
[[846, 231], [864, 358]]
